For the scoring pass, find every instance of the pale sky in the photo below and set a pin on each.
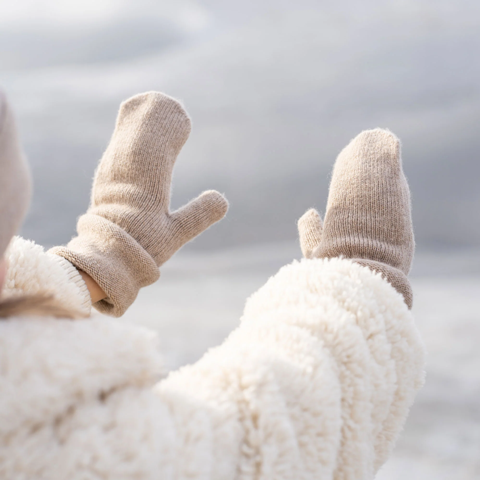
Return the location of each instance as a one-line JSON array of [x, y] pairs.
[[275, 90]]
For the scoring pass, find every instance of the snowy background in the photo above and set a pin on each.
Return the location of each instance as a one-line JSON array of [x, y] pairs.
[[275, 90]]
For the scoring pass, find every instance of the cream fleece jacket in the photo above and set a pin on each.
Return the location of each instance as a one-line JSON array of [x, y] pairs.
[[315, 383]]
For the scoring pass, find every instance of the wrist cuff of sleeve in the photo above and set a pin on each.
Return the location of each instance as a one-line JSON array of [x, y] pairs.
[[84, 304]]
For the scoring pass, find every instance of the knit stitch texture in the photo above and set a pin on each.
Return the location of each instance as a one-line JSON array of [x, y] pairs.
[[368, 217]]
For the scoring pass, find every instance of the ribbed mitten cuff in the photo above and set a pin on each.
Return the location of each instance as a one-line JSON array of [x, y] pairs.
[[394, 276], [117, 263]]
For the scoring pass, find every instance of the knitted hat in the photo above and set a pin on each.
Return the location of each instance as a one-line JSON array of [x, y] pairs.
[[15, 183]]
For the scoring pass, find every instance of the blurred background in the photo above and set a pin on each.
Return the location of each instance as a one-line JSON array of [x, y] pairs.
[[275, 89]]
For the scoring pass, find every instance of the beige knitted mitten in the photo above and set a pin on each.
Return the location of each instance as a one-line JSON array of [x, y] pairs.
[[368, 216], [128, 231]]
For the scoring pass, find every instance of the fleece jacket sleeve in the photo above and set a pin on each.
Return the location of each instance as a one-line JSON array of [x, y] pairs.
[[315, 383], [32, 271]]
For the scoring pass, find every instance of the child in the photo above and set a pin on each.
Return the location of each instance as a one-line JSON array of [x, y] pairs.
[[316, 382]]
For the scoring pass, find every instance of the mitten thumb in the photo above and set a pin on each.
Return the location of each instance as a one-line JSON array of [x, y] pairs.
[[310, 227], [195, 217]]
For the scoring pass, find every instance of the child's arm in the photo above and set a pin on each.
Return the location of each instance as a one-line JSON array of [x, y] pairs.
[[318, 379], [315, 383], [128, 231]]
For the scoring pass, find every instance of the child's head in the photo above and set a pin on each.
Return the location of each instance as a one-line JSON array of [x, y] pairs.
[[14, 179]]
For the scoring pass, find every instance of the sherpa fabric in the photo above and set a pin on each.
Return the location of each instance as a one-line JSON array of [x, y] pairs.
[[315, 383], [31, 271]]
